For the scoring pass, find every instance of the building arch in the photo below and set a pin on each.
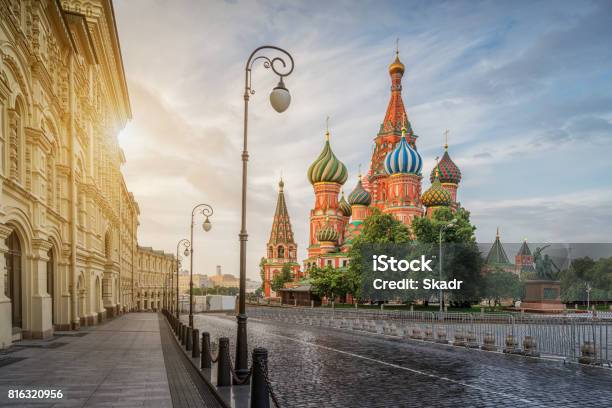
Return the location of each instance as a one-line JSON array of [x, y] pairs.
[[14, 284]]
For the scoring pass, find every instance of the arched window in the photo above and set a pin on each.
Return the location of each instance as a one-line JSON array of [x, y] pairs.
[[281, 251]]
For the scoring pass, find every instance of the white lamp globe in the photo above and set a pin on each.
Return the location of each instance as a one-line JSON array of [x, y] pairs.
[[186, 252], [280, 98], [207, 225]]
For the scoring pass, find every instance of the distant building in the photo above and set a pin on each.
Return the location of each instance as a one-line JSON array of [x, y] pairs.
[[225, 281], [199, 281]]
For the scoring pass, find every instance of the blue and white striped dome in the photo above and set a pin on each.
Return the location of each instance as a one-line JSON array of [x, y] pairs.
[[403, 159]]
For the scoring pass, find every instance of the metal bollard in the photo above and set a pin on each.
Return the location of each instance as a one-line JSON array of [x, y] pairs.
[[224, 376], [195, 341], [189, 337], [259, 387], [183, 331], [205, 355]]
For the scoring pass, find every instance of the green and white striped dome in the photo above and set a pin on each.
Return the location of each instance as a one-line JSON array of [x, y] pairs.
[[327, 168]]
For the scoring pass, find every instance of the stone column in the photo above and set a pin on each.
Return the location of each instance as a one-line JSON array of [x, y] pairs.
[[6, 326], [41, 325]]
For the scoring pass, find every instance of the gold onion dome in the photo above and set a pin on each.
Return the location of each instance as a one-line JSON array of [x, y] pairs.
[[327, 168], [436, 195], [396, 66], [344, 206], [327, 233]]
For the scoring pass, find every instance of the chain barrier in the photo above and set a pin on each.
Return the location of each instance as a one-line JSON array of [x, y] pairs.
[[237, 379], [264, 369]]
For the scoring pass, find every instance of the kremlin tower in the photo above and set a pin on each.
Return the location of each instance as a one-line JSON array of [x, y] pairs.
[[281, 247]]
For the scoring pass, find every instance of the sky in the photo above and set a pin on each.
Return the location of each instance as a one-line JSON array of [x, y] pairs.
[[524, 87]]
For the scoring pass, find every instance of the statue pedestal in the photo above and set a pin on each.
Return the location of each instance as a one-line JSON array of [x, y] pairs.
[[542, 296]]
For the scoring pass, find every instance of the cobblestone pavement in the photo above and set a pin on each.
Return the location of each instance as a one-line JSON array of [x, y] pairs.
[[321, 367], [117, 364]]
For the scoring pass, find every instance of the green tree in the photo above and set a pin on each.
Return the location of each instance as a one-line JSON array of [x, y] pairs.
[[378, 228], [461, 258], [262, 271], [332, 282], [500, 284], [285, 275]]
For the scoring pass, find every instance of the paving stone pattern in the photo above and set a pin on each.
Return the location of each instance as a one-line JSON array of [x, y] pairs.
[[324, 367], [118, 364]]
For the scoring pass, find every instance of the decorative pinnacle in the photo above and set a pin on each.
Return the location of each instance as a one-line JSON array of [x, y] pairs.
[[397, 47], [327, 129], [497, 233], [446, 139]]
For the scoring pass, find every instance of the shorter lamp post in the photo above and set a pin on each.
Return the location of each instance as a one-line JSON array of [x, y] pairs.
[[442, 229], [588, 291], [186, 244], [207, 211]]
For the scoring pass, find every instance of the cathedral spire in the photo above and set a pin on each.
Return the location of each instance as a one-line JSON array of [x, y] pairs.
[[395, 109], [281, 226]]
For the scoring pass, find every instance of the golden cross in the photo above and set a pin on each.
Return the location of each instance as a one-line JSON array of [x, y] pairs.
[[327, 128], [359, 171], [397, 46]]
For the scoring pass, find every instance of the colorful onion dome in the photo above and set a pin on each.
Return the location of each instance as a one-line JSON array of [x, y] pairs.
[[359, 195], [396, 66], [436, 195], [449, 172], [327, 168], [404, 158], [344, 206], [327, 233]]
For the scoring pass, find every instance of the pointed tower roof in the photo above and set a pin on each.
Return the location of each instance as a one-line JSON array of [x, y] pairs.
[[497, 254], [396, 112], [524, 249], [281, 226]]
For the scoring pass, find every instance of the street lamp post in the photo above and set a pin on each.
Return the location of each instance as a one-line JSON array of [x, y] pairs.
[[206, 210], [279, 99], [442, 229], [185, 243], [588, 291]]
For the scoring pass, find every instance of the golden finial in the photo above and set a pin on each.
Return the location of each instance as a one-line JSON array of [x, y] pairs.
[[397, 47], [446, 139], [359, 172], [327, 129], [497, 233]]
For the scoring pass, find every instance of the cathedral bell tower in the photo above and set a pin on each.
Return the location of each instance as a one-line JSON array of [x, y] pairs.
[[281, 248]]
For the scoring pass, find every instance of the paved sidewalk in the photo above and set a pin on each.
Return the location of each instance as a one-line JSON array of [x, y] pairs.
[[117, 364]]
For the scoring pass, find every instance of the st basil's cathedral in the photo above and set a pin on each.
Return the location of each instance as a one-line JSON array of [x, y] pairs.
[[392, 184]]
